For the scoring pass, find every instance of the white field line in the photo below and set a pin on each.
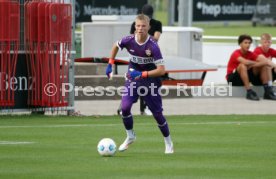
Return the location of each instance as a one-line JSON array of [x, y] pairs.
[[14, 143], [142, 124]]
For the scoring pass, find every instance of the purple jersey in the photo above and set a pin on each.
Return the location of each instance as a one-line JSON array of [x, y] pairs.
[[143, 57]]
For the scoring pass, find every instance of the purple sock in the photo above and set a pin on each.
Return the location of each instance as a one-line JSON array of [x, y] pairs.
[[162, 123], [128, 122]]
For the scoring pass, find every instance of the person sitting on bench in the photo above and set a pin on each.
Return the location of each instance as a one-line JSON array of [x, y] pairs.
[[244, 67], [268, 52]]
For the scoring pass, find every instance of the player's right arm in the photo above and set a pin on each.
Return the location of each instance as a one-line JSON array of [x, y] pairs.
[[114, 51], [111, 61], [246, 61], [115, 48]]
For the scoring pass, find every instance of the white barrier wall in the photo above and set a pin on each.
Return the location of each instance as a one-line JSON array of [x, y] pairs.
[[182, 42], [98, 38]]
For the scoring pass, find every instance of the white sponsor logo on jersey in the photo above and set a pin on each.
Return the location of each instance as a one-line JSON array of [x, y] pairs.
[[141, 60]]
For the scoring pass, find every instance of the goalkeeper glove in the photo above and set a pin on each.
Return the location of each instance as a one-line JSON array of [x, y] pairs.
[[135, 75], [108, 70]]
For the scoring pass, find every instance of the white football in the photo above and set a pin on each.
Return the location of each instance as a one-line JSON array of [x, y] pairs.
[[106, 147]]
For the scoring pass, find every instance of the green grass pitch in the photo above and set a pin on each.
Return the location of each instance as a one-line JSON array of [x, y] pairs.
[[231, 146]]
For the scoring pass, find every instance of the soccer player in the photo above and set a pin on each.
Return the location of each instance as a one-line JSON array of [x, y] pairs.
[[145, 67], [155, 31], [244, 67], [268, 52]]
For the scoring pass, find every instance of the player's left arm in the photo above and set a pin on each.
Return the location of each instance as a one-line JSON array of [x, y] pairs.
[[134, 75], [159, 71]]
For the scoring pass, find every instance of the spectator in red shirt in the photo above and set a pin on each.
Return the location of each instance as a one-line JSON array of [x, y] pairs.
[[244, 67], [268, 52]]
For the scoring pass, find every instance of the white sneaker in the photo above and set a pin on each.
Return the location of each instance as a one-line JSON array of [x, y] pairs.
[[148, 112], [126, 143], [169, 148]]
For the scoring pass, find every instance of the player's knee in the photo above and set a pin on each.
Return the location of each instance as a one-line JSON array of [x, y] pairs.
[[125, 110], [242, 67]]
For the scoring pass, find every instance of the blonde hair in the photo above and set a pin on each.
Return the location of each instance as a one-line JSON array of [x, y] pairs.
[[266, 36], [143, 17]]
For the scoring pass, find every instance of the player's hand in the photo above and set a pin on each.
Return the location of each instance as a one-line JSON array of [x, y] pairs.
[[108, 71], [135, 75]]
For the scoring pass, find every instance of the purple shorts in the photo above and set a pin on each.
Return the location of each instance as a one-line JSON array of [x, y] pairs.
[[148, 89]]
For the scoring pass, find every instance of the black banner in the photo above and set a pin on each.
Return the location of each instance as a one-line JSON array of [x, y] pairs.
[[22, 79], [17, 84], [223, 10], [86, 8]]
